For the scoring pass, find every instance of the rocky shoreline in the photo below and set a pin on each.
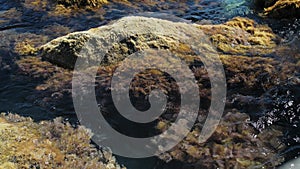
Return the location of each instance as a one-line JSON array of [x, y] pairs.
[[261, 116], [251, 61]]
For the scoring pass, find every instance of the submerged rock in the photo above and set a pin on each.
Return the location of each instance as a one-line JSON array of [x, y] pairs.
[[234, 144], [26, 144]]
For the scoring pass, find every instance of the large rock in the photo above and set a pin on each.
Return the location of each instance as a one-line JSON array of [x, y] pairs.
[[130, 34], [238, 36]]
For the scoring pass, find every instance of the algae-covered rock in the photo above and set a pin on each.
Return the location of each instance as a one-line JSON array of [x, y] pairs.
[[155, 33], [242, 36], [249, 75], [234, 144], [238, 36], [280, 8], [26, 144], [64, 51]]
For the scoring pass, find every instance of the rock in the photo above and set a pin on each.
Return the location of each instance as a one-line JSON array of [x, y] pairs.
[[280, 8], [64, 51], [26, 144], [158, 34], [252, 39]]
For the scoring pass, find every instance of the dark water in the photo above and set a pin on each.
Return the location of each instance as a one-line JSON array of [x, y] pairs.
[[18, 92]]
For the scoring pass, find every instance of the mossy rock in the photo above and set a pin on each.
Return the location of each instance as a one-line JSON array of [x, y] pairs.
[[26, 144]]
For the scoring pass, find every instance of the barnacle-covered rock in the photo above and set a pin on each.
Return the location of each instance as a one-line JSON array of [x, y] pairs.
[[26, 144]]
